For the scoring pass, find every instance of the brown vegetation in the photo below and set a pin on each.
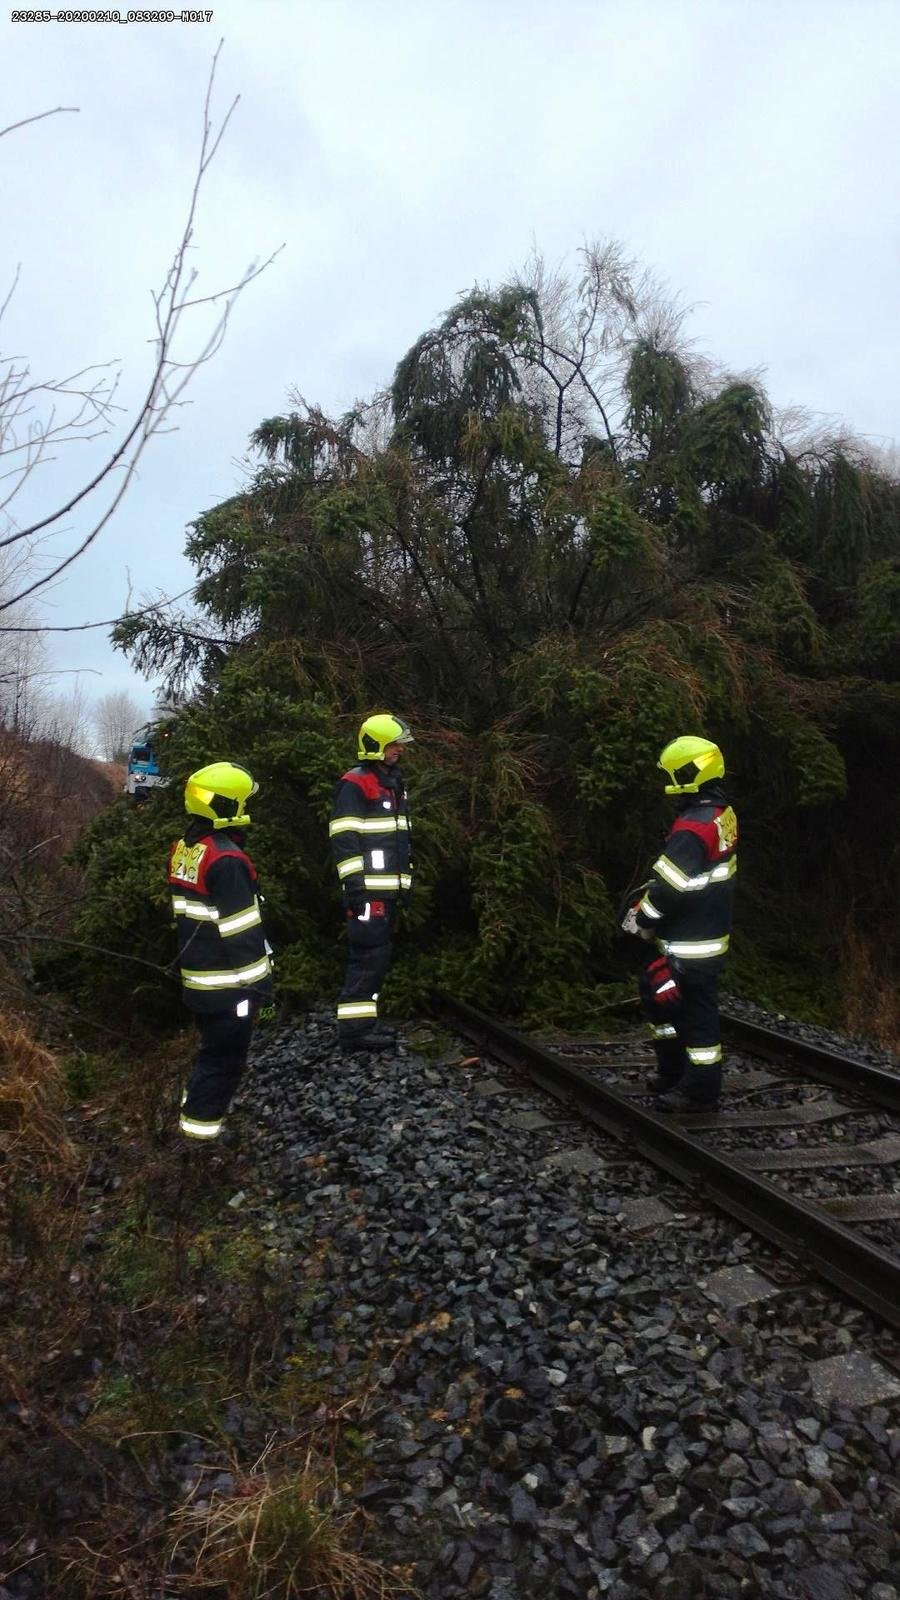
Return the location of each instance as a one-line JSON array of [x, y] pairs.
[[279, 1522], [50, 794], [161, 1422], [870, 1000], [32, 1134]]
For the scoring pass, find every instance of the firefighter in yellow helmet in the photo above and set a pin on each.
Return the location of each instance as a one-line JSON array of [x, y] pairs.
[[686, 910], [222, 948], [371, 845]]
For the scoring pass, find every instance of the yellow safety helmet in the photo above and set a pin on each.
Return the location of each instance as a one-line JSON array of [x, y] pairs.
[[690, 761], [380, 730], [220, 791]]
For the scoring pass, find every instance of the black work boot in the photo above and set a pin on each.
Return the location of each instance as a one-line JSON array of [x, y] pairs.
[[374, 1039], [660, 1085], [677, 1100], [699, 1090]]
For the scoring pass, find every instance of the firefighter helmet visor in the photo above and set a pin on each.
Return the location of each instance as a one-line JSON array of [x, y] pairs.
[[691, 761], [379, 731], [220, 791]]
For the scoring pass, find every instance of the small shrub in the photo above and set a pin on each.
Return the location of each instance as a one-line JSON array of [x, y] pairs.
[[84, 1075], [31, 1098], [277, 1538], [37, 1158]]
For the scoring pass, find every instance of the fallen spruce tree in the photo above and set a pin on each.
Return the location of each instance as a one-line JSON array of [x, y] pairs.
[[553, 544]]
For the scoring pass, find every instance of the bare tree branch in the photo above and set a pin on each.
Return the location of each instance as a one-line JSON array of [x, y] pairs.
[[108, 622], [98, 949], [12, 289], [38, 117], [54, 672], [168, 382]]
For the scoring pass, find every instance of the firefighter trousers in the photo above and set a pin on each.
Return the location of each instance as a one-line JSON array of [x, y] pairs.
[[684, 1023], [370, 944], [218, 1066]]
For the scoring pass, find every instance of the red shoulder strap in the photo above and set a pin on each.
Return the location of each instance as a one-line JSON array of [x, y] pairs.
[[368, 782], [190, 864], [718, 836]]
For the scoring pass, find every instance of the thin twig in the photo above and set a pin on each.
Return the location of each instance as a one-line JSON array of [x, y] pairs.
[[163, 394], [81, 944], [109, 622], [39, 117]]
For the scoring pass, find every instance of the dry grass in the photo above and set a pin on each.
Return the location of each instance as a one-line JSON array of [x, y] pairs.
[[32, 1095], [277, 1537], [871, 998], [37, 1158], [113, 1355]]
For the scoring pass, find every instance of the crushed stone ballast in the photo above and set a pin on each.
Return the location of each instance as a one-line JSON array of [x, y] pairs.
[[576, 1380], [737, 1178]]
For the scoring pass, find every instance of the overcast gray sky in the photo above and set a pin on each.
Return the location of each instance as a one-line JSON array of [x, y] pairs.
[[746, 151]]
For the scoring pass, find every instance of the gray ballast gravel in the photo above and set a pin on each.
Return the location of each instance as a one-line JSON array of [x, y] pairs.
[[559, 1408]]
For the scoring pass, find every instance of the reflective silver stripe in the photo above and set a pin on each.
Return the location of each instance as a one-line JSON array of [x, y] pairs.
[[705, 1055], [240, 920], [672, 874], [666, 986], [350, 864], [388, 880], [680, 880], [662, 1032], [199, 1130], [357, 1008], [234, 978], [367, 825], [345, 825], [690, 949], [377, 860], [194, 908], [648, 908], [725, 869]]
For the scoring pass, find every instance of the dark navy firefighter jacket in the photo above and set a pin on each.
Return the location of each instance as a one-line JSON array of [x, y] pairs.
[[370, 833], [688, 904], [222, 949]]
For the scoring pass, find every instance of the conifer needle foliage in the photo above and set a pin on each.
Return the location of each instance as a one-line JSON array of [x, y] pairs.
[[554, 543]]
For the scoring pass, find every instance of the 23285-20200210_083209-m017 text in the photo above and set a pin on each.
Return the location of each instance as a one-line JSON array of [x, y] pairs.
[[111, 16]]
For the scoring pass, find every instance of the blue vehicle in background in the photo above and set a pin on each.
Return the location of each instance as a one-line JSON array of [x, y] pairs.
[[143, 765]]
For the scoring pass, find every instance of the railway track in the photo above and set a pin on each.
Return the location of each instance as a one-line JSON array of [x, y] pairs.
[[753, 1156]]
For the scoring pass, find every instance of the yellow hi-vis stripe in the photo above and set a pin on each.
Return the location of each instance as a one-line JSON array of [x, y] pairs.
[[694, 949], [725, 869], [239, 920], [672, 874], [350, 864], [193, 908], [367, 825], [195, 1129], [231, 978], [704, 1055], [356, 1008]]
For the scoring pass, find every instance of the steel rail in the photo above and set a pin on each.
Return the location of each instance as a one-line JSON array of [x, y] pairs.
[[797, 1226], [879, 1086]]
